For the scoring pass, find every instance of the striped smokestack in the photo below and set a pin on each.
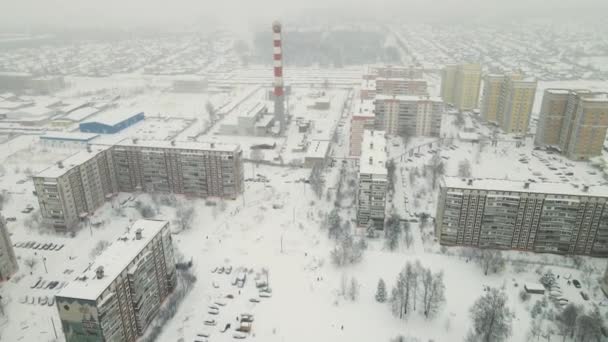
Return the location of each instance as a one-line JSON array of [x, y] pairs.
[[277, 57]]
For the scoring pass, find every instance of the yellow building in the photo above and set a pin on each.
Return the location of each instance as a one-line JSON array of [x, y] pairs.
[[460, 85], [492, 88], [551, 117], [585, 124], [515, 104]]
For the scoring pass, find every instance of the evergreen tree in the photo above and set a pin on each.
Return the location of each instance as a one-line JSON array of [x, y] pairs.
[[381, 291]]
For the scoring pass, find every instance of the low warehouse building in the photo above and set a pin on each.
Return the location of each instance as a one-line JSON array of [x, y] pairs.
[[111, 122]]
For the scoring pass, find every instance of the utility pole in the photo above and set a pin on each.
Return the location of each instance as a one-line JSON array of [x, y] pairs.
[[54, 330], [44, 263]]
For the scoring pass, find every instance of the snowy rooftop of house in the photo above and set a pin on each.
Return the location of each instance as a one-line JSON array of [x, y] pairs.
[[409, 98], [373, 148], [113, 260], [553, 188], [317, 149], [114, 117], [184, 145], [70, 162], [72, 136], [364, 108]]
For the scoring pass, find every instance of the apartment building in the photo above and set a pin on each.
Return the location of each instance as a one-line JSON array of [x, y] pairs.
[[551, 117], [539, 217], [8, 261], [460, 85], [361, 119], [492, 89], [371, 194], [391, 71], [74, 188], [508, 100], [575, 121], [401, 86], [408, 115], [191, 168], [585, 124], [515, 103], [120, 293]]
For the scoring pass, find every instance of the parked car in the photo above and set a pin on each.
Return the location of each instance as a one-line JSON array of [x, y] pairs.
[[584, 295], [576, 283]]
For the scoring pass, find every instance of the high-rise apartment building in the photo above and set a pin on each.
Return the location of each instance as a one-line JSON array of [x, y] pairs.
[[362, 119], [392, 81], [516, 102], [371, 195], [408, 115], [576, 121], [76, 187], [551, 117], [537, 217], [120, 293], [490, 99], [8, 261], [73, 188], [460, 85]]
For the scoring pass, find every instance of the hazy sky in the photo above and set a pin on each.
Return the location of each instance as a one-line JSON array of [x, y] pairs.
[[243, 13]]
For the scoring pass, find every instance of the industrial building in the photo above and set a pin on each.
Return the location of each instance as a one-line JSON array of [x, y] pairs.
[[538, 217], [362, 118], [21, 83], [251, 118], [67, 140], [316, 153], [460, 85], [508, 100], [111, 122], [371, 194], [74, 188], [574, 121], [408, 115], [8, 261], [120, 293]]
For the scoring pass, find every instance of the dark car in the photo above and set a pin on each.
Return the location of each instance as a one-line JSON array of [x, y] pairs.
[[576, 283], [584, 295]]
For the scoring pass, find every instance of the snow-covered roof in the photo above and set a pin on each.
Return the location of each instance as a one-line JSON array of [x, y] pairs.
[[70, 162], [553, 188], [373, 153], [80, 113], [111, 118], [364, 108], [317, 149], [72, 136], [185, 145], [113, 260], [410, 98]]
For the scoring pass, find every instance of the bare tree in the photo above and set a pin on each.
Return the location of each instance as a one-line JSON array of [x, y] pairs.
[[433, 292], [464, 168], [437, 169], [144, 209], [185, 216], [491, 260], [567, 319], [393, 231], [316, 179], [100, 246], [210, 111], [401, 295], [353, 290], [390, 176], [257, 156], [30, 262], [589, 326], [491, 317]]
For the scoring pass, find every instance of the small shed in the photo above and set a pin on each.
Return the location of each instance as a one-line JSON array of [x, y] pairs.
[[535, 288]]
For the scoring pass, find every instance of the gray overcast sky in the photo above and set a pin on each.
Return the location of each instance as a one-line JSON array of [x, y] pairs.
[[242, 13]]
